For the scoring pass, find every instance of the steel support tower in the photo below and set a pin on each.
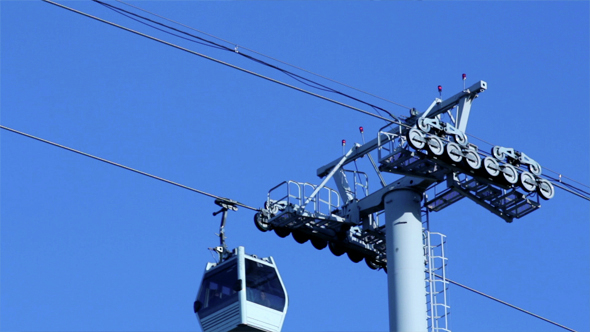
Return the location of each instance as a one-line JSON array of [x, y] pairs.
[[439, 167], [405, 264]]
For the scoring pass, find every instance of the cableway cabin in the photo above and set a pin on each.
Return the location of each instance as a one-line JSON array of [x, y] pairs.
[[241, 293]]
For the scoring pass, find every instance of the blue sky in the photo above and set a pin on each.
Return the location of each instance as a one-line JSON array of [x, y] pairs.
[[90, 247]]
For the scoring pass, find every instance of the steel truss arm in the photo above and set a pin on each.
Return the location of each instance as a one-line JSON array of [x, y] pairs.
[[340, 179], [463, 99]]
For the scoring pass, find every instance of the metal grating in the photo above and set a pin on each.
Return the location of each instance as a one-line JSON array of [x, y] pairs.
[[444, 199]]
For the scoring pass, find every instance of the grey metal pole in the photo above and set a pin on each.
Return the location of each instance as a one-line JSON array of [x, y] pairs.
[[405, 262]]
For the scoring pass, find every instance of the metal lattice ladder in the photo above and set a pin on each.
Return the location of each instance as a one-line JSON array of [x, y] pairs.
[[438, 309]]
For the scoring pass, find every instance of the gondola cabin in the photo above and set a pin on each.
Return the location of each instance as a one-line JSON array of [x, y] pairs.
[[241, 293]]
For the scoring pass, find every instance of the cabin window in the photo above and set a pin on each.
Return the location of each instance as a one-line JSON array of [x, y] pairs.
[[218, 289], [263, 286]]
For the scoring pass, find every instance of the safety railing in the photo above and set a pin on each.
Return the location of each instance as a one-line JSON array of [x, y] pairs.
[[296, 194]]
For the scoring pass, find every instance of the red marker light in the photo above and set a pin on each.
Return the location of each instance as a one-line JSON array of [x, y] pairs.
[[343, 142], [464, 77], [361, 129], [439, 88]]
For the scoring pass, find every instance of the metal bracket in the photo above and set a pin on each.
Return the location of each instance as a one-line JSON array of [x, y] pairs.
[[374, 202], [225, 204], [516, 158], [427, 124], [467, 95]]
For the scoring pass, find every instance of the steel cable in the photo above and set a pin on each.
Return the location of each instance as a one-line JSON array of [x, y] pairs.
[[251, 208], [261, 54], [294, 76], [505, 303], [219, 61], [396, 121], [123, 166]]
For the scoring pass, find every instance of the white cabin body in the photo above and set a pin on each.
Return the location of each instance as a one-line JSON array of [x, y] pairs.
[[242, 293]]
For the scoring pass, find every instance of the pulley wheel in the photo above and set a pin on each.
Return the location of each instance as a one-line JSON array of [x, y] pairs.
[[496, 153], [336, 249], [528, 182], [282, 232], [261, 223], [461, 139], [300, 237], [510, 174], [472, 159], [319, 244], [355, 256], [422, 125], [545, 189], [435, 146], [371, 263], [453, 152], [491, 166], [535, 168], [416, 139]]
